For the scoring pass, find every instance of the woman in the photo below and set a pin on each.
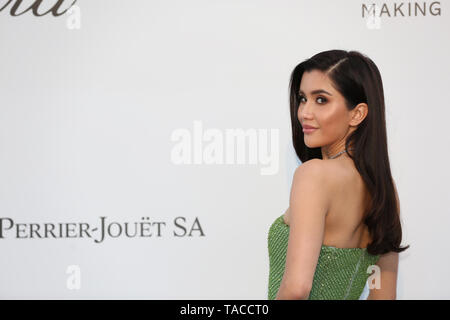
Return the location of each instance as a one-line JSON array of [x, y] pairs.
[[343, 220]]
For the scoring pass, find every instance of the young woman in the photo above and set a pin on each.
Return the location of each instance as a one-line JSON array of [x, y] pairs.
[[343, 220]]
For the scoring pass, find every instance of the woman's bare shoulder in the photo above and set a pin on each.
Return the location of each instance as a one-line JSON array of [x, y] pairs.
[[311, 174]]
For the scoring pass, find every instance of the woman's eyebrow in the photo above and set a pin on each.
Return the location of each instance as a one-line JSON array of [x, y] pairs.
[[317, 92]]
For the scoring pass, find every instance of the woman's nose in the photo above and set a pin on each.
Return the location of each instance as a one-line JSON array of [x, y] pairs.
[[304, 111]]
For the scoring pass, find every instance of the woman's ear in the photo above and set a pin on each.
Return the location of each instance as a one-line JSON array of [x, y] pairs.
[[358, 114]]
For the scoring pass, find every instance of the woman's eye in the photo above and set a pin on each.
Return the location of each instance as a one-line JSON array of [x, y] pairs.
[[323, 100], [320, 100]]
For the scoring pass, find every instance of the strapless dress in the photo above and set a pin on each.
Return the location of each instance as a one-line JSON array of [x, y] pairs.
[[341, 273]]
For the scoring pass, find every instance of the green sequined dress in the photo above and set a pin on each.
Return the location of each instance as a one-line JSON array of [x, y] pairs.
[[341, 273]]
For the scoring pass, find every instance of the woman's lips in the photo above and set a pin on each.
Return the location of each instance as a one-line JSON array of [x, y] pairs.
[[309, 130]]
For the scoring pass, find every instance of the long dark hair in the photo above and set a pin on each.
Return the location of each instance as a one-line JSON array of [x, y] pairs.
[[358, 79]]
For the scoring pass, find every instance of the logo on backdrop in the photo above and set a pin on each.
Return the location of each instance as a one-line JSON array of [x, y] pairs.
[[103, 230], [373, 13], [395, 9], [18, 8]]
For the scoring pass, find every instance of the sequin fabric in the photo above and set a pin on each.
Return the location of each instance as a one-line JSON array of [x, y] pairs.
[[341, 273]]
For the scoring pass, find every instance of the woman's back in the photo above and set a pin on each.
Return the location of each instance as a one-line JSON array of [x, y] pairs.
[[344, 227], [341, 271]]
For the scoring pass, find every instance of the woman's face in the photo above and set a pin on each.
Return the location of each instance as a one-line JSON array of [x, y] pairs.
[[324, 108]]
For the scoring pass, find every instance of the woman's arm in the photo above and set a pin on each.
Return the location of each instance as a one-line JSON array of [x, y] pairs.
[[388, 264], [308, 206]]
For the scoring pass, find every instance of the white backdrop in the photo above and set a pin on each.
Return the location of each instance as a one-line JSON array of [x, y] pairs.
[[97, 104]]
